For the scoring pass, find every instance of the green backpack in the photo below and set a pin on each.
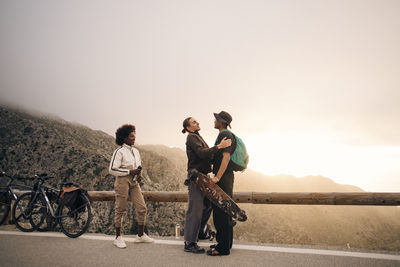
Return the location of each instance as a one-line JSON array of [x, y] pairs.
[[239, 158]]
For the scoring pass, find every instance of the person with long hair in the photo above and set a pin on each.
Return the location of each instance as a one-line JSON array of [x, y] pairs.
[[199, 158]]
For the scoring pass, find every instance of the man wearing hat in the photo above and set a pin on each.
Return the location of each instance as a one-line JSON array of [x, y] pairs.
[[224, 178]]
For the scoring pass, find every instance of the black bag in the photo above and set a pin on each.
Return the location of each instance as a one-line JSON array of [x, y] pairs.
[[75, 199]]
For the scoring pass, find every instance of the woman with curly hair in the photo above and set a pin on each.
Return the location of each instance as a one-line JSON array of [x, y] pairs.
[[125, 165]]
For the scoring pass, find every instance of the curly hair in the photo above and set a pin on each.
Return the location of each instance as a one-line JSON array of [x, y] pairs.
[[123, 132]]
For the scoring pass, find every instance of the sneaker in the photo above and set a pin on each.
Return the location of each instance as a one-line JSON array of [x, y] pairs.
[[119, 242], [143, 239], [194, 248]]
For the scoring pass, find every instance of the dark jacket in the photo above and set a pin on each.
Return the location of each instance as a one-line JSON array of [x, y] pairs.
[[198, 153]]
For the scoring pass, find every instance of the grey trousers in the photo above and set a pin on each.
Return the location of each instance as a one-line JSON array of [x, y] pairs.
[[197, 215]]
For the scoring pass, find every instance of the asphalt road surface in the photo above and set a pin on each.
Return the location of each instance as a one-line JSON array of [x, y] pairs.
[[54, 249]]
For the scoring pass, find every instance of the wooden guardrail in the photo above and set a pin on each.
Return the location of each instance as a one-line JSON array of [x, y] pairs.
[[302, 198]]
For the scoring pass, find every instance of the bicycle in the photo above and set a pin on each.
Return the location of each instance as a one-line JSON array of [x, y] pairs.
[[8, 194], [74, 218], [49, 223]]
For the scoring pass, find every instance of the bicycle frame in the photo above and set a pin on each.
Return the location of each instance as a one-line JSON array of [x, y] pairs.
[[12, 193], [48, 204], [53, 212], [9, 187]]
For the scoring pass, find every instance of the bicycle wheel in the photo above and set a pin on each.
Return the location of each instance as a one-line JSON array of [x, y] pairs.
[[75, 222], [49, 222], [5, 204], [27, 215]]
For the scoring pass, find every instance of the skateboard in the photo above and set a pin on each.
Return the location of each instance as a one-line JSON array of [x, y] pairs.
[[217, 196]]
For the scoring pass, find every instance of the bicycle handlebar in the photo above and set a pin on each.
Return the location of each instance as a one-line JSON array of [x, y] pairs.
[[15, 177], [43, 176]]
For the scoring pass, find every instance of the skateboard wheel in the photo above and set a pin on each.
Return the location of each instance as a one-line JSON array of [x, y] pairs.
[[242, 216]]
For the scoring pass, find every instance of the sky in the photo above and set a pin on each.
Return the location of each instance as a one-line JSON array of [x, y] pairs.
[[313, 86]]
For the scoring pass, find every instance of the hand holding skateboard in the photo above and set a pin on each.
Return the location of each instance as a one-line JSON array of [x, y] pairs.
[[212, 177]]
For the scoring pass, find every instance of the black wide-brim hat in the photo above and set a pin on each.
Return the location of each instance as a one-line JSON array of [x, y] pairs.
[[224, 116]]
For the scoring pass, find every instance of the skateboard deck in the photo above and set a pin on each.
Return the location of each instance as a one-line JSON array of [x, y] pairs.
[[217, 196]]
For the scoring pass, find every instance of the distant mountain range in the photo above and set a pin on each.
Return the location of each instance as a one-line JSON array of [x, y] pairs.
[[36, 143]]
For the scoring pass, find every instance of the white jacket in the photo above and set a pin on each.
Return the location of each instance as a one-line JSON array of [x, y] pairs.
[[125, 158]]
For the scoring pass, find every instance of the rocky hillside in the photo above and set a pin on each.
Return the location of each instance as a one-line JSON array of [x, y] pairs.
[[36, 143]]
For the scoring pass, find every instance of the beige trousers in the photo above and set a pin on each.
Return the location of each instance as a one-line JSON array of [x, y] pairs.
[[126, 189]]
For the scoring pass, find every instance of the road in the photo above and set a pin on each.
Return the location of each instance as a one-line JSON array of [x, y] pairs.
[[54, 249]]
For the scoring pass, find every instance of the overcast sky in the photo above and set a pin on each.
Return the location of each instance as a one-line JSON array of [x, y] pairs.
[[313, 86]]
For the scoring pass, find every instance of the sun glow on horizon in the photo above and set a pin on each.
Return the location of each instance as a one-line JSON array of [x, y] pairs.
[[301, 154]]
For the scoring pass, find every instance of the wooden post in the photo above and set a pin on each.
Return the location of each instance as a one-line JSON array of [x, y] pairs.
[[334, 198], [295, 198]]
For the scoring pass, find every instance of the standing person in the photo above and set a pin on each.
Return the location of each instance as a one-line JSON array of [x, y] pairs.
[[126, 166], [199, 158], [223, 178]]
